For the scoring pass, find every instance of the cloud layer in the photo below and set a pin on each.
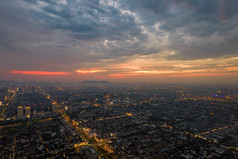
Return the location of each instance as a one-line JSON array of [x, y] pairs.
[[69, 35]]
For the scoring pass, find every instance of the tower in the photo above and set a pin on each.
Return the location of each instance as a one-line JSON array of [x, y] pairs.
[[20, 111], [28, 112], [54, 107], [6, 98], [106, 98]]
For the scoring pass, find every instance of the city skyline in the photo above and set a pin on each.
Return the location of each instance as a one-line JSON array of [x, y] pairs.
[[97, 120], [119, 41]]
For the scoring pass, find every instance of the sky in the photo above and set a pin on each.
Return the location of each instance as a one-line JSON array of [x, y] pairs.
[[148, 41]]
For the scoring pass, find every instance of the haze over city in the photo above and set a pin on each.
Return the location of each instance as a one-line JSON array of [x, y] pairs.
[[145, 41], [119, 79]]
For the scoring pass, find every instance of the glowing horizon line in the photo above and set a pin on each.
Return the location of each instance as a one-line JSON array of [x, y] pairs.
[[84, 71], [39, 72], [176, 74]]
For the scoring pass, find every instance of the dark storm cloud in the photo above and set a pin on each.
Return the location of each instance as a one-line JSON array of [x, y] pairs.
[[94, 21], [214, 21], [87, 20], [180, 13], [77, 31]]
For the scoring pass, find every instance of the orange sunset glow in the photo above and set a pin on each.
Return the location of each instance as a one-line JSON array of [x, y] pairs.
[[89, 71], [133, 43], [40, 73], [118, 79]]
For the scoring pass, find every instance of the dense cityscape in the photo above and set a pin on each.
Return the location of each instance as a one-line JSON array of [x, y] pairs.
[[118, 79], [99, 119]]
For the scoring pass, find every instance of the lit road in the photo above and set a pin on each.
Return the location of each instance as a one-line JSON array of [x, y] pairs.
[[7, 104], [100, 145], [113, 117], [40, 137], [223, 127], [213, 130], [206, 139]]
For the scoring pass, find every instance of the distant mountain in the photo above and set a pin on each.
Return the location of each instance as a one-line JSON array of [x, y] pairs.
[[5, 81], [96, 82]]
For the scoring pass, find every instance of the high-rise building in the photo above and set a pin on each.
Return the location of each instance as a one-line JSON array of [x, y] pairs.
[[106, 98], [66, 108], [54, 107], [28, 112], [20, 111], [48, 96], [6, 98]]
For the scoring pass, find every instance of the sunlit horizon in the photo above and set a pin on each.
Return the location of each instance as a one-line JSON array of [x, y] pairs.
[[118, 41]]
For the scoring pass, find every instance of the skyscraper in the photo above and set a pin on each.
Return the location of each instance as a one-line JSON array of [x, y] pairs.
[[28, 112], [20, 111], [54, 107], [6, 98], [106, 98]]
